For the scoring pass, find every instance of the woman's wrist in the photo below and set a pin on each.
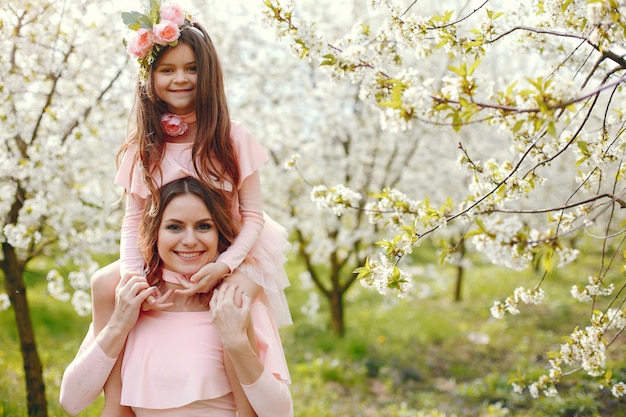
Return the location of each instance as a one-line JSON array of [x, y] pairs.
[[236, 344]]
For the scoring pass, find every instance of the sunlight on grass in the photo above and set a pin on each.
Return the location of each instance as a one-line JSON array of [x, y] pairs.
[[417, 357]]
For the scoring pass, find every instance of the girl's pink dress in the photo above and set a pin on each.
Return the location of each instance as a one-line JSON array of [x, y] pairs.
[[261, 240]]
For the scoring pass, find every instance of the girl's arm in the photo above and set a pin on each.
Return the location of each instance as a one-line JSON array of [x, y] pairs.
[[131, 260], [251, 209]]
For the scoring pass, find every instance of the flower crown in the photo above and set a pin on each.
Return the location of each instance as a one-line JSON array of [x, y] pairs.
[[159, 27]]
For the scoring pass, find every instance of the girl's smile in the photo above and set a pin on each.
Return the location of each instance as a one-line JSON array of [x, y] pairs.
[[175, 79]]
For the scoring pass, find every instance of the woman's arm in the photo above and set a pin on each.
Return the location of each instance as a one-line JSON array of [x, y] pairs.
[[85, 377], [268, 395]]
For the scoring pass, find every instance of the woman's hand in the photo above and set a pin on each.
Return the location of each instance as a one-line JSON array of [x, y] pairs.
[[130, 294], [206, 278], [231, 321]]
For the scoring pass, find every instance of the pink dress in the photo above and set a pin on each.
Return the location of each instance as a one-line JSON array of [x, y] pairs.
[[174, 366], [260, 240]]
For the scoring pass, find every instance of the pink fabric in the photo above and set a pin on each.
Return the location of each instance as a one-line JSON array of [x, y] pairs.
[[172, 359], [173, 364], [216, 407], [85, 377], [267, 244], [267, 386]]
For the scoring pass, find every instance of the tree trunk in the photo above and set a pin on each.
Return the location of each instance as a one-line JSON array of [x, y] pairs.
[[459, 273], [16, 290], [337, 324]]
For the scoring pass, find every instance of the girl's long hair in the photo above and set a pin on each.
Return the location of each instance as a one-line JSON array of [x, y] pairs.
[[214, 157], [153, 215]]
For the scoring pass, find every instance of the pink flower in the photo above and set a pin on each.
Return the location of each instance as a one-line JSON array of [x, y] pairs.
[[165, 32], [173, 124], [141, 46], [173, 13]]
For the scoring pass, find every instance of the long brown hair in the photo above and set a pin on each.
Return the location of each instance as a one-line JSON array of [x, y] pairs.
[[153, 215], [213, 118]]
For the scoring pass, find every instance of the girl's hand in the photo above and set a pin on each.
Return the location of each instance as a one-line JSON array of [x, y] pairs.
[[206, 278], [158, 302]]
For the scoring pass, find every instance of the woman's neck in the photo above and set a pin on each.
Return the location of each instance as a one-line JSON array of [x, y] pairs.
[[172, 281]]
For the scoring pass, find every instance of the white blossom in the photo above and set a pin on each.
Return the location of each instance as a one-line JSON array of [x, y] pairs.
[[5, 303]]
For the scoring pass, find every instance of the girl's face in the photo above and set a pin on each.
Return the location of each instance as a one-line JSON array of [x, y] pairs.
[[187, 238], [175, 79]]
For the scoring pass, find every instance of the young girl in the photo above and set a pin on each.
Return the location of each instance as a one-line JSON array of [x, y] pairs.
[[182, 128], [173, 359]]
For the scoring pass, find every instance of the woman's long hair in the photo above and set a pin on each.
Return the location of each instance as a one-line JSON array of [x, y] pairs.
[[153, 215], [214, 159]]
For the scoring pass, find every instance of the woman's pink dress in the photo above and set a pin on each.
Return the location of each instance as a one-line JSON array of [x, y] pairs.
[[174, 365]]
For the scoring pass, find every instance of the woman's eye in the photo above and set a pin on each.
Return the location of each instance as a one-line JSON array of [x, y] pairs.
[[205, 226], [172, 227]]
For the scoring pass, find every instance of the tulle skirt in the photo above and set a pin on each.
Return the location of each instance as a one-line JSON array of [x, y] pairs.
[[265, 267]]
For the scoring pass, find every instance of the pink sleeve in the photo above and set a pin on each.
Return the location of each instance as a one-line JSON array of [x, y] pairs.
[[131, 260], [269, 396], [136, 194], [84, 378], [251, 211]]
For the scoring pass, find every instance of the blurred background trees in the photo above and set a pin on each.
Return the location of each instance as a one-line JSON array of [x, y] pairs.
[[481, 127]]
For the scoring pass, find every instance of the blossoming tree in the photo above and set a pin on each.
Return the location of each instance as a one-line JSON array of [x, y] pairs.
[[317, 129], [555, 104], [58, 143]]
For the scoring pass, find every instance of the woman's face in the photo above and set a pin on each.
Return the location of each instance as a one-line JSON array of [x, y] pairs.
[[175, 79], [187, 238]]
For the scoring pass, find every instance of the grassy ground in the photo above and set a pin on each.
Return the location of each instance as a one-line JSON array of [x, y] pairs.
[[416, 357]]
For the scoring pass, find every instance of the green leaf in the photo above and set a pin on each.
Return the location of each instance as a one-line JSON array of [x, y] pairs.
[[582, 147], [329, 59], [518, 125], [547, 260], [473, 67], [461, 70], [131, 19]]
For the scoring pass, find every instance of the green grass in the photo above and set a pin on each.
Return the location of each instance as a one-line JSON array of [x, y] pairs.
[[400, 358]]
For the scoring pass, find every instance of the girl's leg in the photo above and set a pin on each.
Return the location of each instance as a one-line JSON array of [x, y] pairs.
[[103, 284]]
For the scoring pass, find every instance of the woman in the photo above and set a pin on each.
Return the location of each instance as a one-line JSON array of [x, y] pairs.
[[173, 363]]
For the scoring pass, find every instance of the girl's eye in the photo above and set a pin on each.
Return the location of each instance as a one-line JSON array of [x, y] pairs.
[[192, 69]]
